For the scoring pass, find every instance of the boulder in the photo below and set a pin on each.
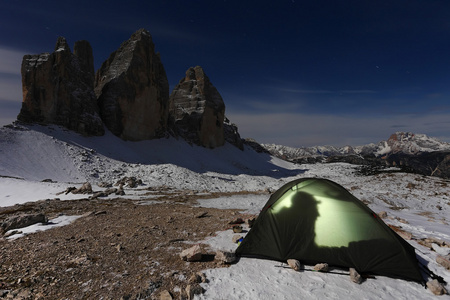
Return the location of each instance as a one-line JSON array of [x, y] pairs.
[[321, 267], [444, 261], [436, 288], [133, 90], [197, 110], [225, 257], [355, 277], [165, 295], [192, 254], [58, 89], [294, 264], [86, 188], [22, 221], [194, 289]]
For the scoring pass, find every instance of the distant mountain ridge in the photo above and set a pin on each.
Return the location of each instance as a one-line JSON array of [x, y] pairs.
[[399, 142], [416, 153]]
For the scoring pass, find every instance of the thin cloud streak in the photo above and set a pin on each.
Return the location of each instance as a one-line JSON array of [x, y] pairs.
[[300, 130], [10, 60]]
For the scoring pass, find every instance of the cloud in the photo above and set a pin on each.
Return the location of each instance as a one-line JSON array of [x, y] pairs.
[[301, 130], [10, 87], [10, 60], [321, 92]]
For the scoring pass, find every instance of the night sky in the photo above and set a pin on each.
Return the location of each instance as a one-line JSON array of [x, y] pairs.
[[291, 72]]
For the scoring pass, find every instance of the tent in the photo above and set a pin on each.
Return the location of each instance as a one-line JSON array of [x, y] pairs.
[[318, 221]]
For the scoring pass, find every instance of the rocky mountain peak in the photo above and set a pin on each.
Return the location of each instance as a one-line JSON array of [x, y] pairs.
[[410, 143], [61, 45], [133, 90], [197, 109], [58, 89]]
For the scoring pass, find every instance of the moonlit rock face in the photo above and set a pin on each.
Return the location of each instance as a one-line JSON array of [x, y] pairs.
[[198, 110], [133, 90], [58, 89]]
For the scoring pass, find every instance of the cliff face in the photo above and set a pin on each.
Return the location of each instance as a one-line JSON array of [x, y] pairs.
[[58, 89], [197, 109], [129, 94], [133, 91]]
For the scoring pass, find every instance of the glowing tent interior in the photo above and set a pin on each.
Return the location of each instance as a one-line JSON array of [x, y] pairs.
[[318, 221]]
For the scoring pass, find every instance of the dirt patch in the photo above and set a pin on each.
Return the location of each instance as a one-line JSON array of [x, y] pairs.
[[118, 249]]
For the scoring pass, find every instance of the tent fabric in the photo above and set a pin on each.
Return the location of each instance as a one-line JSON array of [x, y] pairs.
[[318, 221]]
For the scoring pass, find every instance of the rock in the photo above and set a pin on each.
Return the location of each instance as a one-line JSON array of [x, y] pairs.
[[237, 229], [444, 251], [321, 267], [198, 277], [294, 264], [12, 232], [86, 188], [225, 257], [444, 261], [165, 295], [104, 185], [192, 254], [130, 182], [354, 276], [231, 134], [133, 90], [201, 214], [58, 89], [236, 238], [194, 289], [382, 214], [250, 222], [197, 111], [22, 221], [436, 288], [236, 221]]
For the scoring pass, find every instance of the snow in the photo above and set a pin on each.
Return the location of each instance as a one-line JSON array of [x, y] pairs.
[[56, 222], [417, 204]]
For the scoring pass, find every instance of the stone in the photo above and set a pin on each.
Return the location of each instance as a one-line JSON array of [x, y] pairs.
[[294, 264], [236, 238], [201, 214], [165, 295], [441, 250], [382, 214], [86, 188], [354, 276], [321, 267], [444, 261], [231, 134], [58, 89], [22, 221], [436, 288], [194, 289], [237, 229], [198, 277], [225, 257], [236, 221], [133, 90], [192, 254], [250, 222], [197, 111]]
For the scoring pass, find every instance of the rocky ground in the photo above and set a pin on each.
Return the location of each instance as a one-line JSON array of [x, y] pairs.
[[118, 249]]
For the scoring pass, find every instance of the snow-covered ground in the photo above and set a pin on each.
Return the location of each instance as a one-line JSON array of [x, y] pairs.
[[417, 204]]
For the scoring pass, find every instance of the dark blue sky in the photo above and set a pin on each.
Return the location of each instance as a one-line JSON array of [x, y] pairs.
[[291, 72]]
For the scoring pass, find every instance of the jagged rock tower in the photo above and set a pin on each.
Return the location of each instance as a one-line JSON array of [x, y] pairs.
[[133, 90], [58, 89], [197, 110]]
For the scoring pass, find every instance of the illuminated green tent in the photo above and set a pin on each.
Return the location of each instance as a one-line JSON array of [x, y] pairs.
[[318, 221]]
